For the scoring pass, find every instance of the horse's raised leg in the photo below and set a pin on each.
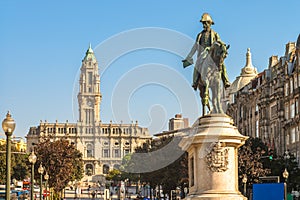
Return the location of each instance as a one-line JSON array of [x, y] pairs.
[[203, 94]]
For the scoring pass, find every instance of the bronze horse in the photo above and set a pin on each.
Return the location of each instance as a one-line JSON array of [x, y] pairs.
[[209, 68]]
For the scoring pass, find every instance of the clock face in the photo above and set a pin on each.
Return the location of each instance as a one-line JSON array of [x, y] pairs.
[[90, 103]]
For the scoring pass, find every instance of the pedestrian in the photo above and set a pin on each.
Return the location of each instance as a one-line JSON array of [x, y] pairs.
[[93, 194], [89, 189]]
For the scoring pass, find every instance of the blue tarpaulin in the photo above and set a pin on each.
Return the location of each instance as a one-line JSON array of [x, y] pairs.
[[268, 191]]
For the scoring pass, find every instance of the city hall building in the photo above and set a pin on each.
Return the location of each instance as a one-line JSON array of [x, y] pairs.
[[103, 145]]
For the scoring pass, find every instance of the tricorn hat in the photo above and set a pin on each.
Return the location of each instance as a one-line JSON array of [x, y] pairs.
[[206, 18]]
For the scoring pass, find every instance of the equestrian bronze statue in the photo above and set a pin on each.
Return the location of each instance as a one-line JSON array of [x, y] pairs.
[[209, 68]]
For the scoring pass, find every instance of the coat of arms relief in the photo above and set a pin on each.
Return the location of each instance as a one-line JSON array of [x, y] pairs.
[[217, 157]]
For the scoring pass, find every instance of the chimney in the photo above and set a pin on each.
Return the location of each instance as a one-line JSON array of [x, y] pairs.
[[289, 47], [273, 60], [178, 116]]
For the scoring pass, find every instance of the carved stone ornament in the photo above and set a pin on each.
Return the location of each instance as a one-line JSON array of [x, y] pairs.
[[217, 157]]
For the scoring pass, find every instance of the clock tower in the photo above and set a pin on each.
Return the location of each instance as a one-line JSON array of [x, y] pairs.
[[103, 145], [89, 96]]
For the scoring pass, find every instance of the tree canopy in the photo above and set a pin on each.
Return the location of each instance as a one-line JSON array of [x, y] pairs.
[[61, 160], [169, 177], [280, 163], [250, 158], [19, 164]]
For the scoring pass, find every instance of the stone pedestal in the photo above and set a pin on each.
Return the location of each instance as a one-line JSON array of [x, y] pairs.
[[213, 161]]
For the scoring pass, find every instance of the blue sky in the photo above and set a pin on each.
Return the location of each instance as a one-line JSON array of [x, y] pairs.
[[43, 43]]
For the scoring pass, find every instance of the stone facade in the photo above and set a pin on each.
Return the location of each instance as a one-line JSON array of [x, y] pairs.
[[178, 122], [103, 145], [268, 105]]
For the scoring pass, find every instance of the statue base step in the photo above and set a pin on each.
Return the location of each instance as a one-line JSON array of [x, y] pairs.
[[216, 196]]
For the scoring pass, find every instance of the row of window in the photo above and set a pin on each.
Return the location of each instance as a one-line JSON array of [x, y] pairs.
[[90, 130], [61, 130], [110, 130], [244, 111], [291, 109], [116, 153], [292, 84], [293, 136], [89, 169], [106, 143], [117, 130], [91, 89]]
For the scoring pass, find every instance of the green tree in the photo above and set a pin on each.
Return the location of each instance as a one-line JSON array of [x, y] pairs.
[[279, 163], [61, 160], [168, 177], [19, 164], [251, 163], [114, 175], [2, 164]]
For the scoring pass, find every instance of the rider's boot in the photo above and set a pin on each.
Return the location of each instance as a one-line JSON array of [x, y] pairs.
[[196, 78], [224, 76]]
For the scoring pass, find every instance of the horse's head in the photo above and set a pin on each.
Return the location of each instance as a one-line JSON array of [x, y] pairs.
[[218, 53]]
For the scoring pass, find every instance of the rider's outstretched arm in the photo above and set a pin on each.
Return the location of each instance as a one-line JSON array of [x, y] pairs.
[[189, 59]]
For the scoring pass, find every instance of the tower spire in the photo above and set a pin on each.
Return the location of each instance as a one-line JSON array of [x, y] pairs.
[[248, 58], [89, 54], [249, 68]]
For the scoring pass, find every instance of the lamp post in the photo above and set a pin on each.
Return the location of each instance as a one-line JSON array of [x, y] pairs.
[[8, 125], [285, 174], [244, 180], [41, 171], [32, 160], [46, 184]]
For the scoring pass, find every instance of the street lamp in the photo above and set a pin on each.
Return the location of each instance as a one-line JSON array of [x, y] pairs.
[[8, 125], [46, 184], [244, 180], [285, 174], [41, 171], [32, 160]]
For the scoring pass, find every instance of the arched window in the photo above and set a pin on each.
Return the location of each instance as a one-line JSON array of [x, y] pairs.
[[89, 169], [105, 169]]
